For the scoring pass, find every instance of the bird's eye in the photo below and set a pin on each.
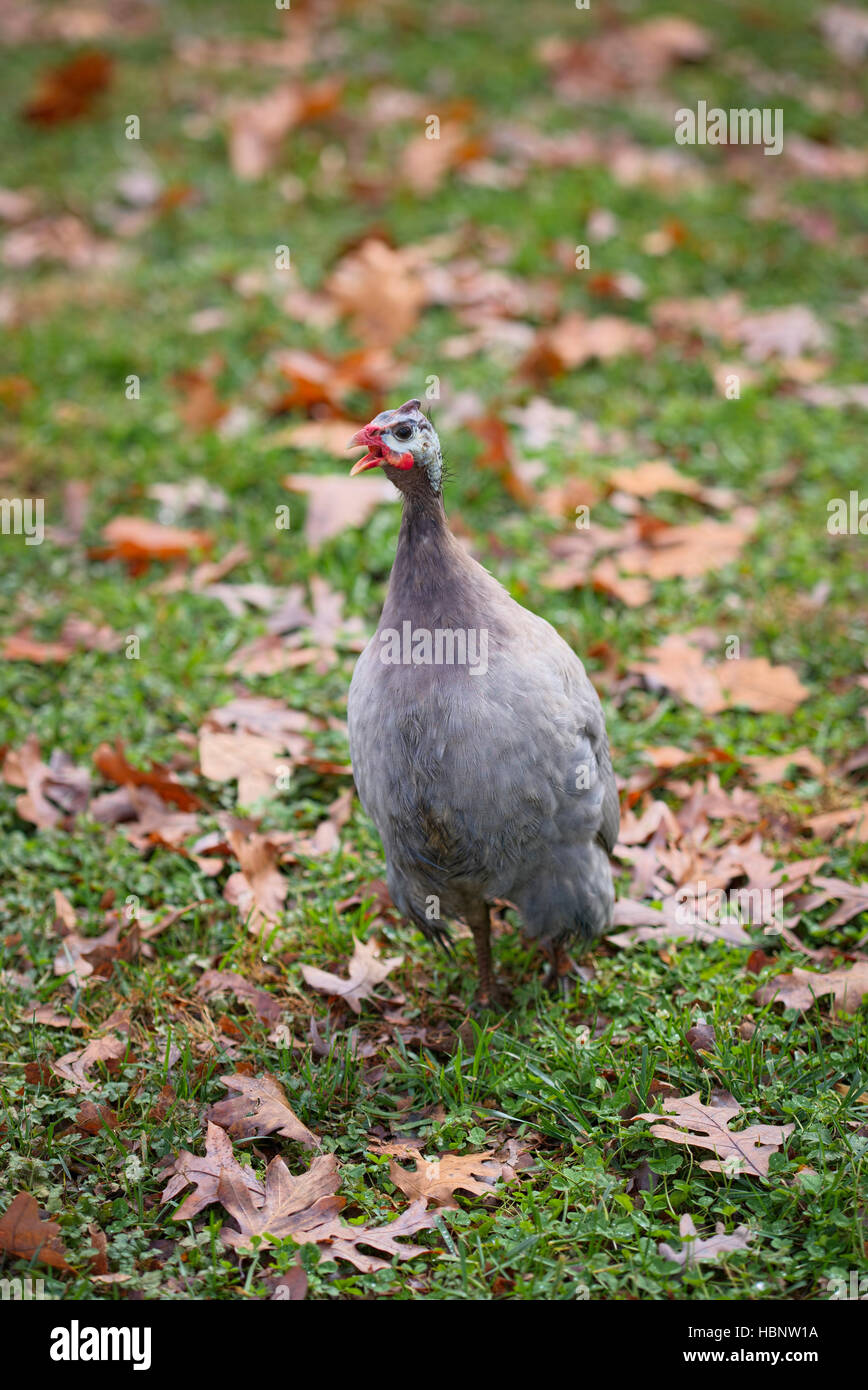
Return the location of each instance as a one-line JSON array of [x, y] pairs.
[[403, 431]]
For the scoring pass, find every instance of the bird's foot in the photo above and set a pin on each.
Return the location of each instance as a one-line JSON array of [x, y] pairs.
[[492, 997], [561, 973]]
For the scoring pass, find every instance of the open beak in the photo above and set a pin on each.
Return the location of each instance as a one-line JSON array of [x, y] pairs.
[[368, 438]]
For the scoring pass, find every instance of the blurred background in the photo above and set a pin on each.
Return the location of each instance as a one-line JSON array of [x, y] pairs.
[[229, 235]]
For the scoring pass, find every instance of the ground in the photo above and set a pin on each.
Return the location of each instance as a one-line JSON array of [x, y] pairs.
[[564, 1079]]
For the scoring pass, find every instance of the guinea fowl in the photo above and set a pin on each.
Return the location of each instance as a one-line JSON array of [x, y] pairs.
[[478, 743]]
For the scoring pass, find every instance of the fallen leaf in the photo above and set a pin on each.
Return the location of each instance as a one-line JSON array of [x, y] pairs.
[[335, 504], [381, 290], [743, 1152], [366, 970], [800, 989], [258, 889], [138, 542], [22, 647], [113, 765], [566, 345], [264, 1005], [27, 1235], [694, 1250], [203, 1174], [74, 1066], [69, 91], [437, 1180], [260, 1108], [752, 683], [54, 792], [307, 1209], [254, 761]]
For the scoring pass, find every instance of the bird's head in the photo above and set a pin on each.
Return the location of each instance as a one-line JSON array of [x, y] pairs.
[[402, 440]]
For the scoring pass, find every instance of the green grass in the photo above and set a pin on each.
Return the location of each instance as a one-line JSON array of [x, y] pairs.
[[568, 1075]]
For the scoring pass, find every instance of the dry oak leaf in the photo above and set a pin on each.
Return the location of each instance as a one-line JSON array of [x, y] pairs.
[[79, 956], [437, 1180], [380, 288], [228, 982], [22, 647], [855, 818], [138, 542], [66, 92], [679, 666], [307, 1208], [74, 1066], [754, 684], [366, 970], [801, 988], [258, 889], [743, 1152], [260, 1108], [686, 552], [335, 504], [203, 1174], [575, 340], [53, 791], [425, 162], [113, 765], [695, 1249], [251, 759], [26, 1235]]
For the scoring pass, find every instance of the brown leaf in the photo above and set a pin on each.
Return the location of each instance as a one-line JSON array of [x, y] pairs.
[[576, 339], [381, 290], [701, 1038], [694, 1250], [91, 1119], [802, 988], [366, 970], [69, 91], [258, 889], [254, 761], [307, 1209], [258, 128], [743, 1152], [260, 1108], [335, 504], [22, 647], [264, 1005], [138, 542], [426, 162], [204, 1174], [753, 683], [74, 1066], [687, 552], [26, 1235], [50, 1017], [854, 818], [437, 1180], [113, 765], [54, 791]]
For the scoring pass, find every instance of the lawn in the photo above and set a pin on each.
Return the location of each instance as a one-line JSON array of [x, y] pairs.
[[153, 336]]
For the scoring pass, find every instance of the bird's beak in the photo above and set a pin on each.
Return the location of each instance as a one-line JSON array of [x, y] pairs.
[[368, 438]]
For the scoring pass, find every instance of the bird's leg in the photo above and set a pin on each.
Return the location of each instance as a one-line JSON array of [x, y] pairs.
[[490, 994], [561, 966]]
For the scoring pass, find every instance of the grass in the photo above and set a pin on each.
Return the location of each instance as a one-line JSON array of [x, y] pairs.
[[573, 1073]]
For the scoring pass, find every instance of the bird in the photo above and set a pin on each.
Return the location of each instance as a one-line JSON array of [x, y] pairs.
[[477, 741]]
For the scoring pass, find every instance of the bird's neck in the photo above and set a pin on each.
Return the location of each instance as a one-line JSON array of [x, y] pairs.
[[428, 559]]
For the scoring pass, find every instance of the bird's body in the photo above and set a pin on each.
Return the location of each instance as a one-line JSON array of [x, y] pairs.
[[487, 776]]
